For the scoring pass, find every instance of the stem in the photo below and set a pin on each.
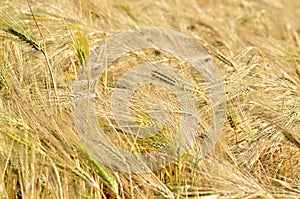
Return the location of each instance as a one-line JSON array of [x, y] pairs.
[[44, 51]]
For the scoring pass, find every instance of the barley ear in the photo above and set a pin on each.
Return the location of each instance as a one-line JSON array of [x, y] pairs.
[[13, 26]]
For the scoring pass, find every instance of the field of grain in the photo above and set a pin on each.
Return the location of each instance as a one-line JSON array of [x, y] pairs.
[[45, 44]]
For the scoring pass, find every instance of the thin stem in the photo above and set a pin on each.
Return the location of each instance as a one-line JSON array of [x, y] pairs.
[[44, 51]]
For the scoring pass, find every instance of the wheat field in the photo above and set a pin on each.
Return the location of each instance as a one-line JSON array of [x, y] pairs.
[[45, 44]]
